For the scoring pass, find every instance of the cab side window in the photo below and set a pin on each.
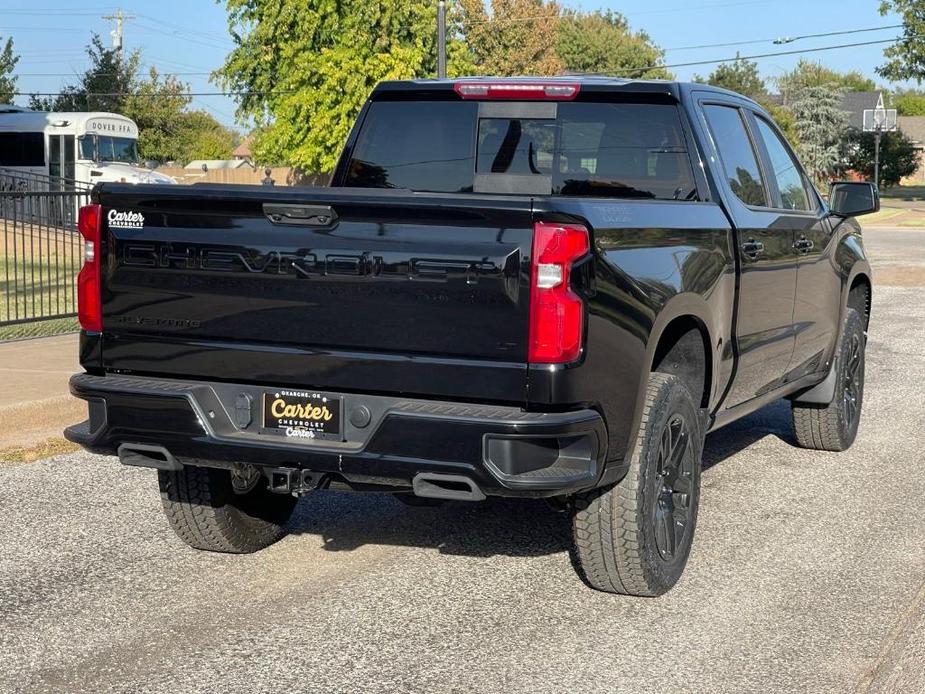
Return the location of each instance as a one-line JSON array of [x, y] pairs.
[[790, 180], [740, 162]]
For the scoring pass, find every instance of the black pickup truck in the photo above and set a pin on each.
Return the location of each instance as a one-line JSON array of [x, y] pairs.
[[545, 288]]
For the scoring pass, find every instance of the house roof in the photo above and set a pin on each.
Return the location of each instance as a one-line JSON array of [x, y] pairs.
[[913, 127], [243, 150], [855, 103]]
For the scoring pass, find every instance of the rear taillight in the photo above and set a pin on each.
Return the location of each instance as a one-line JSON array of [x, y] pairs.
[[543, 91], [89, 303], [556, 312]]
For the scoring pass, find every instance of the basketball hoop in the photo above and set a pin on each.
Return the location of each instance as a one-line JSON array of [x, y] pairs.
[[878, 121], [882, 120]]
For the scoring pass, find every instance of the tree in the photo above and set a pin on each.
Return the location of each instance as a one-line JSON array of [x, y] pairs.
[[303, 68], [514, 38], [203, 137], [820, 125], [898, 156], [602, 42], [909, 102], [811, 74], [103, 87], [905, 59], [8, 62], [156, 105], [740, 75], [784, 119], [166, 130]]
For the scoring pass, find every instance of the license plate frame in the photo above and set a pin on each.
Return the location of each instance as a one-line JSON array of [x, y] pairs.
[[302, 415]]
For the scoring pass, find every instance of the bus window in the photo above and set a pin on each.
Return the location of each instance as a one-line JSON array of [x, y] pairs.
[[22, 149], [121, 149]]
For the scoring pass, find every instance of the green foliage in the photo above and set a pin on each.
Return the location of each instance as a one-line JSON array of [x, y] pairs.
[[905, 59], [155, 105], [784, 119], [158, 104], [167, 131], [203, 137], [8, 62], [812, 74], [740, 75], [909, 102], [602, 42], [502, 43], [898, 156], [305, 67], [103, 87], [820, 125]]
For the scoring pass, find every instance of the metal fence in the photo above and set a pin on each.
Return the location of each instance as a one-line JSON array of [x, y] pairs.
[[40, 248]]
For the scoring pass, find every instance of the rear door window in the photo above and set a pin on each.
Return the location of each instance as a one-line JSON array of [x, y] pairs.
[[738, 156], [621, 150]]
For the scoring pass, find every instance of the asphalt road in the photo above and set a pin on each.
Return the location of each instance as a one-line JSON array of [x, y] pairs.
[[807, 575]]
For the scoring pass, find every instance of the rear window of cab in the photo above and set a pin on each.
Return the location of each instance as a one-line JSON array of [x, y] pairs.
[[621, 150]]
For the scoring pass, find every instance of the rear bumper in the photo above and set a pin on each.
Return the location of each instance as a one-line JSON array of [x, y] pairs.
[[505, 451]]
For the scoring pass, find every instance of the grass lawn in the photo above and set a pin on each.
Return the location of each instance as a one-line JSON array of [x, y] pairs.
[[894, 216], [910, 193], [38, 270], [39, 328]]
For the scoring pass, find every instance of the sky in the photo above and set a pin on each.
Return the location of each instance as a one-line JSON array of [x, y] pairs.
[[190, 37]]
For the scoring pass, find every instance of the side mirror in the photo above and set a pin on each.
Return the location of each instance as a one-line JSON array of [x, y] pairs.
[[151, 164], [853, 198]]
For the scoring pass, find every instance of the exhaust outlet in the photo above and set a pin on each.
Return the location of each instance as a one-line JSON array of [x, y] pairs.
[[434, 485], [146, 455]]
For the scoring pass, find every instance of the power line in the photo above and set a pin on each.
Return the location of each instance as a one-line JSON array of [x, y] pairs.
[[757, 55], [788, 39], [629, 70], [626, 14], [112, 74], [171, 96]]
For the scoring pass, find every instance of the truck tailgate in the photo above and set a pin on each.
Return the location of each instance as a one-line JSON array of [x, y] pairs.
[[302, 285]]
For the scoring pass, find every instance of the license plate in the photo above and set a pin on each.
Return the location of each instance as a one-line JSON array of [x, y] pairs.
[[300, 414]]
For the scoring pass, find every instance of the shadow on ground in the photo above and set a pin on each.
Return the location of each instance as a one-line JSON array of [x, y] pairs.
[[511, 527]]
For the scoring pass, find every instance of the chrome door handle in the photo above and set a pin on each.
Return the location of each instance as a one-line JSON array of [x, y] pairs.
[[803, 244], [753, 248]]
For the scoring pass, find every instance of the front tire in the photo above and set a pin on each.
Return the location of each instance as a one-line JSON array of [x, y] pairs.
[[834, 426], [210, 509], [634, 537]]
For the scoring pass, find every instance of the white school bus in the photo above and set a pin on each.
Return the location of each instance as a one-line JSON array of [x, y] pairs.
[[68, 149]]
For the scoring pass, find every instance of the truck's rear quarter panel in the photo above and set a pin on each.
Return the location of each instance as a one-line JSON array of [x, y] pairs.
[[654, 261]]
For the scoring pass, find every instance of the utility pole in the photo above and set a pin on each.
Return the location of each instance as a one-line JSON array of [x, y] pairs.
[[119, 18], [441, 39]]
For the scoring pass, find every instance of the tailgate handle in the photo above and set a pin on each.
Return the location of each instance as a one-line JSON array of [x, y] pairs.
[[302, 215]]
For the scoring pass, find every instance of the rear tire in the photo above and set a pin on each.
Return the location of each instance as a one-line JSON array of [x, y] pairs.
[[634, 537], [834, 426], [206, 512]]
